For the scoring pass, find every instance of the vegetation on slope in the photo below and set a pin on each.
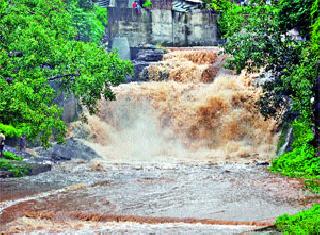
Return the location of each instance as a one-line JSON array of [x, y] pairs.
[[12, 156], [304, 222], [40, 45], [257, 38], [13, 164], [89, 20]]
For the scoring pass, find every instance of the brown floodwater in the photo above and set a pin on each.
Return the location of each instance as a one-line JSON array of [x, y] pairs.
[[150, 193], [178, 154]]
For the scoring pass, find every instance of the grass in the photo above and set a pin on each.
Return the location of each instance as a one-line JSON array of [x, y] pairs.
[[304, 222], [313, 185], [10, 163], [12, 156], [300, 163]]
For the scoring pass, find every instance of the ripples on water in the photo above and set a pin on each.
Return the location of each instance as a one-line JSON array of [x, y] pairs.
[[159, 143]]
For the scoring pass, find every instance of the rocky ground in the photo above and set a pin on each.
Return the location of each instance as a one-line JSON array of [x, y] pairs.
[[39, 160]]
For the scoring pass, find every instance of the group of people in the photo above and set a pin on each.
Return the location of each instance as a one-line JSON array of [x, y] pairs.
[[22, 143], [137, 6]]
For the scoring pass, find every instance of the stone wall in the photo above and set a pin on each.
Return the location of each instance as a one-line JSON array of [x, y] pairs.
[[162, 26]]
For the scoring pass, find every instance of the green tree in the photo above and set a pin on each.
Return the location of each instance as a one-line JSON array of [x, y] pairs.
[[89, 20], [295, 14], [260, 41], [38, 46]]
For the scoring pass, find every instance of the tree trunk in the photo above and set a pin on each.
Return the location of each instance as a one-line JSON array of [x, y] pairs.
[[317, 115]]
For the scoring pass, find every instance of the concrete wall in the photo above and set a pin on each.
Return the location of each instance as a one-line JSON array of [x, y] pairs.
[[125, 22], [162, 26], [156, 4], [162, 4]]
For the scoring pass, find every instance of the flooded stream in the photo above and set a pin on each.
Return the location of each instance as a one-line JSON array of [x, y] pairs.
[[183, 153], [99, 192]]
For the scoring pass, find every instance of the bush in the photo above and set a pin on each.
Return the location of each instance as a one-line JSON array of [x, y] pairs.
[[147, 4], [38, 48], [304, 222], [313, 185], [9, 130], [256, 39], [12, 156], [17, 170], [88, 19], [298, 163], [231, 20]]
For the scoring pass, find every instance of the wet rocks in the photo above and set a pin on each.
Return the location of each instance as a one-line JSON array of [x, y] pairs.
[[96, 166], [72, 149], [140, 70], [150, 54], [43, 162], [144, 56], [33, 168], [34, 164], [261, 80], [160, 75], [37, 168], [5, 174]]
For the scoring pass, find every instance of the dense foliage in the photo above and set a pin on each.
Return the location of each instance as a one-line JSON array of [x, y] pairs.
[[12, 156], [295, 14], [257, 38], [89, 20], [39, 46], [313, 185], [304, 222], [13, 164], [147, 4]]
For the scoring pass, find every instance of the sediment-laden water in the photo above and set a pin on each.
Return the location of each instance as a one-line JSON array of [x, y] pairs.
[[199, 112], [169, 193], [180, 153]]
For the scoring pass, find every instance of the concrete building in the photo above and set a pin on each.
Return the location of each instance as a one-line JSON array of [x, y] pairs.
[[168, 23]]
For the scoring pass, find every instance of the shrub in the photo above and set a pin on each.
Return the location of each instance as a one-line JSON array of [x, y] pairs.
[[300, 162], [38, 48], [12, 156], [17, 170], [313, 185], [304, 222], [147, 4]]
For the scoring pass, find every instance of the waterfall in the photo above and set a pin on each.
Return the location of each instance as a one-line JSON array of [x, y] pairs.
[[190, 109], [286, 143]]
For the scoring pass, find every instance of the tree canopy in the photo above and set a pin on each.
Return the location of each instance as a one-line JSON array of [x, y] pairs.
[[39, 44], [257, 37]]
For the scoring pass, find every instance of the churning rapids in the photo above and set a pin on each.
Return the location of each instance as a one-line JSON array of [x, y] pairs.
[[190, 110], [179, 154]]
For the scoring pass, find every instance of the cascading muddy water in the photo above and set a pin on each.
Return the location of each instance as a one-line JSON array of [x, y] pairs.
[[191, 109]]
